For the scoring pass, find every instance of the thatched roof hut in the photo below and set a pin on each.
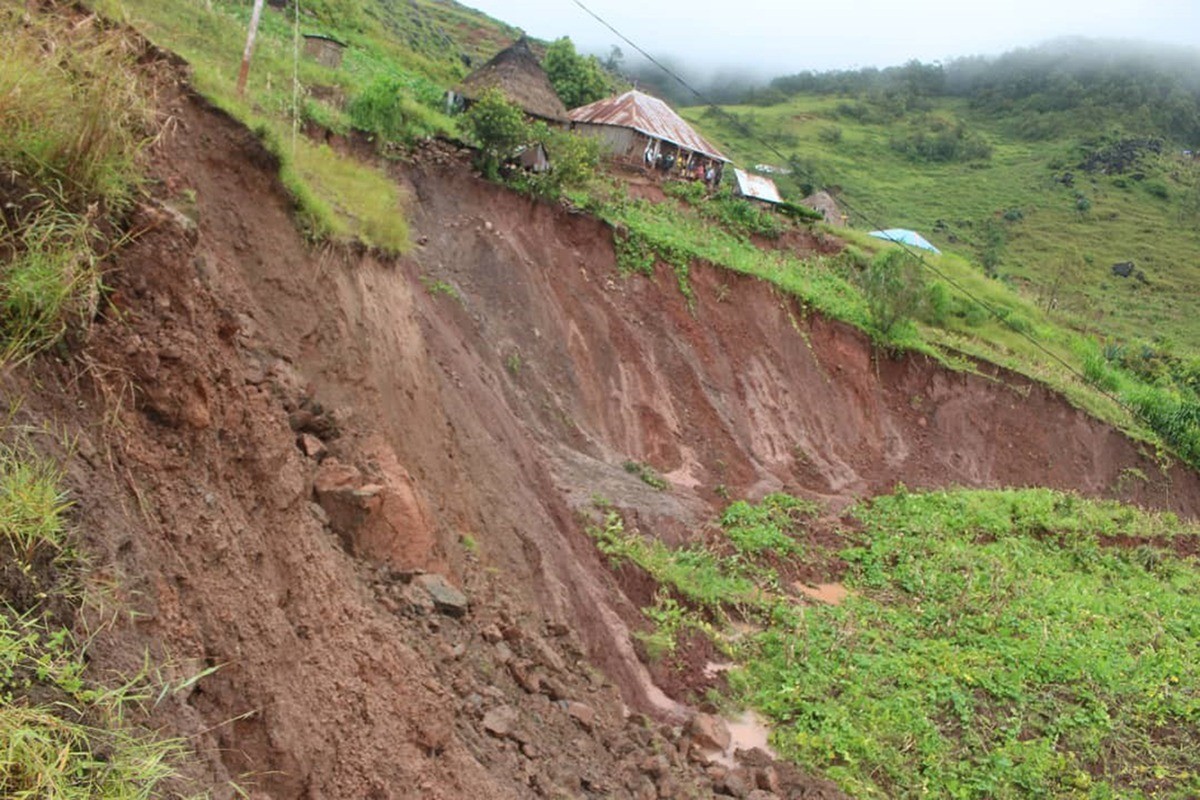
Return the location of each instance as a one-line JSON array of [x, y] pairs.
[[823, 202], [517, 74]]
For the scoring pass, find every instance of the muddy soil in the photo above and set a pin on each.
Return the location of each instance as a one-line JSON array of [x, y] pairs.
[[289, 459]]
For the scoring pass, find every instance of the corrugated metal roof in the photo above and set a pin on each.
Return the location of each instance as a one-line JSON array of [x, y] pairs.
[[757, 186], [647, 115]]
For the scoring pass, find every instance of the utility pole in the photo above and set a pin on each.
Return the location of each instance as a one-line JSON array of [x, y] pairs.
[[245, 72]]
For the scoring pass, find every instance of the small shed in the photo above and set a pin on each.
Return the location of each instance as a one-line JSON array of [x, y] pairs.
[[640, 129], [823, 203], [533, 158], [755, 187], [324, 49], [518, 75]]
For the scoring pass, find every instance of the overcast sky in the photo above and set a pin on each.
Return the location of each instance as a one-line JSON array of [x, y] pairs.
[[774, 37]]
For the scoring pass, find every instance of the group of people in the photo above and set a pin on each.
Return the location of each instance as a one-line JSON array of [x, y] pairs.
[[681, 164]]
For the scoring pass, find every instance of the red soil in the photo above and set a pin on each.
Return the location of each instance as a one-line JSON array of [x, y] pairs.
[[228, 339]]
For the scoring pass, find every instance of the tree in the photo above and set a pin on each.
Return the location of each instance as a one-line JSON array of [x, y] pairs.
[[577, 79]]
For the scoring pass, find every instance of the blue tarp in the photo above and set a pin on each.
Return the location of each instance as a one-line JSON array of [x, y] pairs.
[[903, 236]]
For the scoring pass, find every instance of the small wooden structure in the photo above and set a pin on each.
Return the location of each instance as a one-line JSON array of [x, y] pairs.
[[643, 130], [324, 49]]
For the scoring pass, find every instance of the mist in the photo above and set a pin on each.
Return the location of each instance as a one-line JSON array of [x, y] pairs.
[[754, 40]]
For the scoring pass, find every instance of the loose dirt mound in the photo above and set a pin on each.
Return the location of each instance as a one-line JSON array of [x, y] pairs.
[[275, 444]]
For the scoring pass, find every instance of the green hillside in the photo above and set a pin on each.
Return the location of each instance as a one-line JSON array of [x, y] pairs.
[[1021, 207]]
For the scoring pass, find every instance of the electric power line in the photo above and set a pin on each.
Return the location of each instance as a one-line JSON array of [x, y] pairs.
[[793, 162]]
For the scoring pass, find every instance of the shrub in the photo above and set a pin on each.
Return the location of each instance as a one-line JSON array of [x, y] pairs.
[[894, 288], [386, 108], [573, 162], [497, 126], [1157, 189], [939, 140], [830, 135]]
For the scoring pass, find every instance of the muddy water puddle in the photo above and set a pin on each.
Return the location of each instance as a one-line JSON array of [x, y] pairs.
[[830, 593], [747, 731]]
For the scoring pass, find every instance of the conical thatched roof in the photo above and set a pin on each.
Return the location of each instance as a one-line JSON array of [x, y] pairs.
[[823, 201], [515, 71]]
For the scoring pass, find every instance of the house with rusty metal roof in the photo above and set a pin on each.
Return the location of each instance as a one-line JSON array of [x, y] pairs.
[[755, 187], [518, 75], [641, 129]]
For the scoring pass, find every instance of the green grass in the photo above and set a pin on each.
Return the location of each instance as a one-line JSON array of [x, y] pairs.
[[62, 734], [73, 122], [647, 474], [337, 197], [1128, 219], [993, 645]]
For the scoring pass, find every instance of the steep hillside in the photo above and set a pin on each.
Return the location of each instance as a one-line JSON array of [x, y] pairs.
[[274, 440], [435, 496]]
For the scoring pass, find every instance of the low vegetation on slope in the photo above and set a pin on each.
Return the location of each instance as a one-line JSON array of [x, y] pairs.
[[1049, 212], [62, 733], [72, 124], [995, 644]]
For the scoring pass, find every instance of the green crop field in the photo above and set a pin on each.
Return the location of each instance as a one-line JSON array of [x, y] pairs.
[[992, 644]]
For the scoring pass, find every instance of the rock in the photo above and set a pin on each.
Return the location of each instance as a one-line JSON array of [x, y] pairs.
[[655, 766], [417, 600], [736, 783], [645, 791], [709, 731], [446, 599], [759, 794], [312, 447], [526, 677], [432, 734], [582, 713], [501, 721], [767, 779], [554, 689], [491, 634]]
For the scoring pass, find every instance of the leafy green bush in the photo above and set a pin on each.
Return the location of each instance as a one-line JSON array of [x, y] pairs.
[[767, 526], [497, 126], [573, 162], [1157, 188], [387, 108], [894, 287]]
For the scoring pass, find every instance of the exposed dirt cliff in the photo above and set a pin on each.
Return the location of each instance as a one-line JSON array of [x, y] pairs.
[[276, 441]]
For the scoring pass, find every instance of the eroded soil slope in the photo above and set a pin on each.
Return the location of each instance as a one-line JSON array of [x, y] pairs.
[[275, 441]]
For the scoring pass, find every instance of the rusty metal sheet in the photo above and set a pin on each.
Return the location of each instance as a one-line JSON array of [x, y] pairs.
[[647, 115], [757, 186]]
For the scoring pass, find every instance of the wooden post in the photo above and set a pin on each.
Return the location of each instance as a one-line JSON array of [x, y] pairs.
[[245, 71]]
